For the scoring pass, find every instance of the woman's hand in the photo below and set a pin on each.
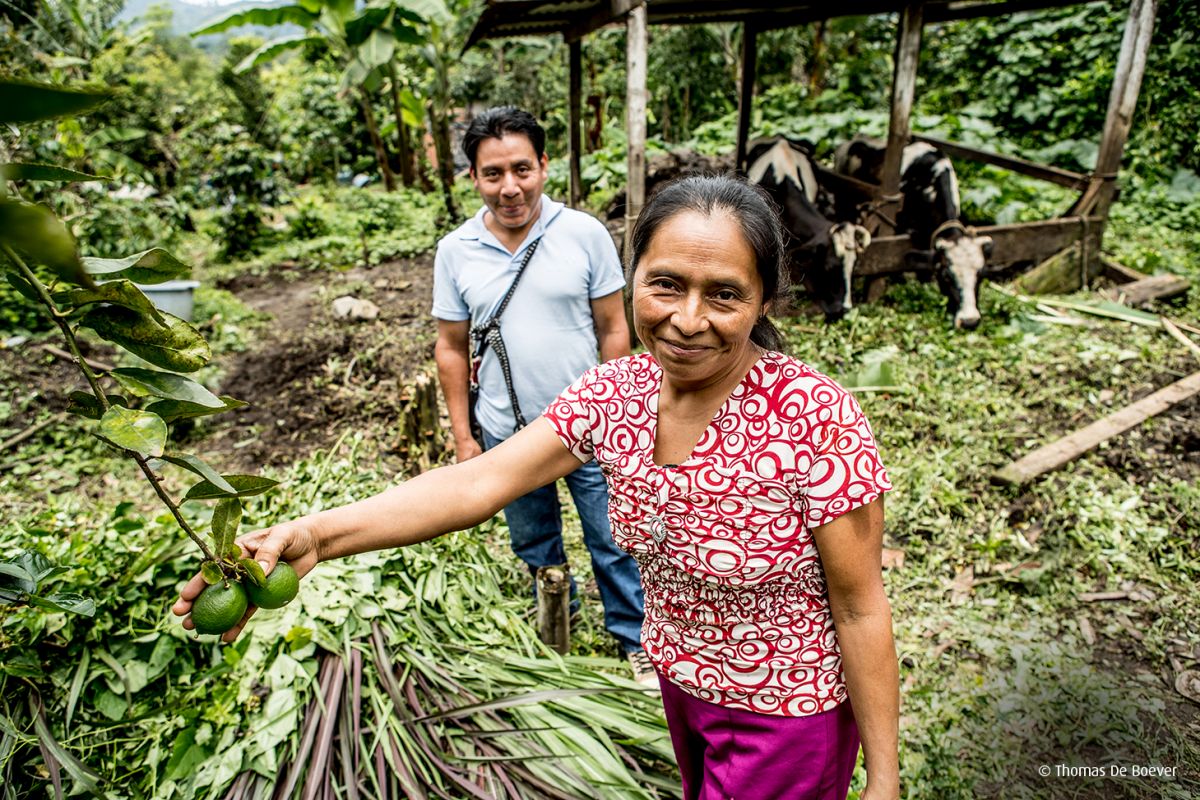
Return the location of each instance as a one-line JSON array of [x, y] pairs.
[[295, 542]]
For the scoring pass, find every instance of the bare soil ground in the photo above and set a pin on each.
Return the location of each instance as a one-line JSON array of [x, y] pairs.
[[312, 376]]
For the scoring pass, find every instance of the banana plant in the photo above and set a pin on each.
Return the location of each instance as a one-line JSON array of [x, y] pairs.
[[364, 41], [129, 408]]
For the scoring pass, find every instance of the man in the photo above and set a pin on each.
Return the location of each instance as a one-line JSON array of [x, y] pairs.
[[566, 307]]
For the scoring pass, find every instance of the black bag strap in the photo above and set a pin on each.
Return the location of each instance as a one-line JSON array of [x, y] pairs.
[[488, 333]]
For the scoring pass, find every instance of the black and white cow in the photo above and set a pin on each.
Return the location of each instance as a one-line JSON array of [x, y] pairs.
[[930, 216], [822, 251]]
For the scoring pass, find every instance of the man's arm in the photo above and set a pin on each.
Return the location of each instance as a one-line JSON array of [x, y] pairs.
[[851, 555], [612, 333], [453, 356]]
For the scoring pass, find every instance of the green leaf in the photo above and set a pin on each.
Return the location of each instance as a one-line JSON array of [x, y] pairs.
[[271, 49], [85, 404], [194, 464], [17, 578], [211, 573], [254, 570], [412, 109], [167, 385], [378, 49], [876, 374], [171, 410], [78, 771], [81, 673], [226, 519], [155, 265], [246, 486], [26, 101], [119, 293], [140, 431], [178, 347], [295, 15], [71, 602], [406, 34], [21, 285], [44, 172], [36, 232], [35, 567]]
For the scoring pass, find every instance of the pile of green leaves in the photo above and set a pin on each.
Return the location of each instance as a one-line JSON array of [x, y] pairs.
[[441, 676]]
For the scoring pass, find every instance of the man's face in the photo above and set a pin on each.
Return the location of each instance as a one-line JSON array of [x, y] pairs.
[[510, 177]]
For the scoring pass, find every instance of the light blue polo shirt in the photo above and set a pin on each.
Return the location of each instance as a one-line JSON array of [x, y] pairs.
[[548, 329]]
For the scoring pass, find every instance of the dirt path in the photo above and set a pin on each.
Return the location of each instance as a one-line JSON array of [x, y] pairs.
[[311, 376]]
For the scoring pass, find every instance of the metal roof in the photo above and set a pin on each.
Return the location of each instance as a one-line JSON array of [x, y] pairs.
[[576, 18]]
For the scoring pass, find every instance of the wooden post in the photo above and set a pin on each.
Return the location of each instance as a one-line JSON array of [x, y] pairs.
[[746, 93], [575, 119], [904, 86], [1127, 81], [554, 607], [636, 47]]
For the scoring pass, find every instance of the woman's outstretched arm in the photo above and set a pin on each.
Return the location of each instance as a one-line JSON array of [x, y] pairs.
[[446, 499]]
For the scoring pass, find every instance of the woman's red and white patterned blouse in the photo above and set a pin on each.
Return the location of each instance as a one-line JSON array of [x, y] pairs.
[[736, 607]]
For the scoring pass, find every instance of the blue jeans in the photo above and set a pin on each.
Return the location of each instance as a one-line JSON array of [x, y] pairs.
[[535, 530]]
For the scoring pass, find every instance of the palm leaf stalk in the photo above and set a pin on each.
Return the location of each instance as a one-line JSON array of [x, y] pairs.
[[426, 705]]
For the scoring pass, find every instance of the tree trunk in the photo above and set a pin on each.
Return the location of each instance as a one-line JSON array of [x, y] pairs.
[[816, 75], [406, 156], [440, 126], [385, 169]]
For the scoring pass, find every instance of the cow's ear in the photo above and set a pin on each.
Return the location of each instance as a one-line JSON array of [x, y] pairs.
[[862, 238], [943, 244], [919, 259], [985, 244]]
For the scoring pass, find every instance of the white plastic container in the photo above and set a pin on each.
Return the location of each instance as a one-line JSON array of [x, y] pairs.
[[173, 297]]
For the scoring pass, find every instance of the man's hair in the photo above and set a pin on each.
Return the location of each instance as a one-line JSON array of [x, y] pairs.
[[495, 123]]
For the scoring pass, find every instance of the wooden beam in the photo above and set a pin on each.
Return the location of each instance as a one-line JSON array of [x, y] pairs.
[[1155, 287], [1127, 81], [609, 12], [746, 91], [575, 120], [1062, 177], [1120, 273], [636, 49], [1011, 244], [1067, 449], [904, 87], [952, 11]]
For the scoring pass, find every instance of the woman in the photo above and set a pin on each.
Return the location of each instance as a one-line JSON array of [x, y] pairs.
[[747, 486]]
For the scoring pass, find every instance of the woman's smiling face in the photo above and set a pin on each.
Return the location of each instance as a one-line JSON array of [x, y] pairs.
[[696, 297]]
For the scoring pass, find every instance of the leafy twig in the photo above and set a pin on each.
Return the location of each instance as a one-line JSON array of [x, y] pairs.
[[84, 367]]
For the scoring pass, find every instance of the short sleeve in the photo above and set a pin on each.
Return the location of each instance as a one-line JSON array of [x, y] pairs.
[[448, 302], [606, 274], [573, 417], [847, 471]]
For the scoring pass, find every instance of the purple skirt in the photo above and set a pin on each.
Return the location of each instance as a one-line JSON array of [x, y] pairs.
[[733, 754]]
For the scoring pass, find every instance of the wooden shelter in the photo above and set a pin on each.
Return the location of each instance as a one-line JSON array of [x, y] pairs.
[[1082, 225]]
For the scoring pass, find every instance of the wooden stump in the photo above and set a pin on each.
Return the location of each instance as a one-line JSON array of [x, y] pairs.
[[419, 440], [554, 607]]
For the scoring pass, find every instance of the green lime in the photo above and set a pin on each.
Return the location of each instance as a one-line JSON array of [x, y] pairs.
[[281, 586], [219, 608]]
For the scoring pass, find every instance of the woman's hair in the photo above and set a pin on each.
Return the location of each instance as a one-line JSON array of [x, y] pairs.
[[755, 215], [498, 122]]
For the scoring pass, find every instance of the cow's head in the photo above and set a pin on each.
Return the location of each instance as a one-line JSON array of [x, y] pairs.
[[959, 261], [828, 263]]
